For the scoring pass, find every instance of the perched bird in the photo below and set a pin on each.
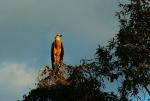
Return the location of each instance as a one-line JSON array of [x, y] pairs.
[[57, 51]]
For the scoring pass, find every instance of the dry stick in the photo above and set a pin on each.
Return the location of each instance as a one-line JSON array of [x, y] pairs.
[[147, 90]]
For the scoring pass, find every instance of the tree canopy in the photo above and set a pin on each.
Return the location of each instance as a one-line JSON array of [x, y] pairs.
[[126, 56], [128, 53]]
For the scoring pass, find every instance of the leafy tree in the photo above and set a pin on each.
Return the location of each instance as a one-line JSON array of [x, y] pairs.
[[127, 56], [128, 53], [83, 86]]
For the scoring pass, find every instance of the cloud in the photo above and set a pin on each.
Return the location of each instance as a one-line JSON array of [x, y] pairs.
[[15, 80]]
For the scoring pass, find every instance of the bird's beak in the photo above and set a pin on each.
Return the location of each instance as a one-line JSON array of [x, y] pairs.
[[60, 35]]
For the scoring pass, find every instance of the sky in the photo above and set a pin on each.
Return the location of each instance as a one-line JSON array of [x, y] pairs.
[[28, 27]]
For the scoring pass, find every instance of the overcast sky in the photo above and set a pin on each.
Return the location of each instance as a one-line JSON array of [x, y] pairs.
[[28, 27]]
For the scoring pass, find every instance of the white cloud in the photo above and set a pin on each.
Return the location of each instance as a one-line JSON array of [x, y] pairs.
[[24, 27], [15, 80]]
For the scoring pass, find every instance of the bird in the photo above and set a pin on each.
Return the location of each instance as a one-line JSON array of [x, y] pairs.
[[57, 51]]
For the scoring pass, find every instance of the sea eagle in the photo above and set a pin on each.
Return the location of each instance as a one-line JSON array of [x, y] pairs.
[[57, 51]]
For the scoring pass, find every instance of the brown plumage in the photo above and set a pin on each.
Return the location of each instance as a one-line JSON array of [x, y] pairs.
[[57, 51]]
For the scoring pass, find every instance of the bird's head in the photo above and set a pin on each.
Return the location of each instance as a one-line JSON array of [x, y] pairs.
[[58, 40], [58, 35]]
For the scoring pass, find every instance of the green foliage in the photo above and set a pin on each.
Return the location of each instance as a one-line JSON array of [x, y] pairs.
[[128, 53], [127, 56], [83, 86]]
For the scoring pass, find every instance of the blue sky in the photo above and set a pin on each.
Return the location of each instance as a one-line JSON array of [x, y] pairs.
[[28, 27]]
